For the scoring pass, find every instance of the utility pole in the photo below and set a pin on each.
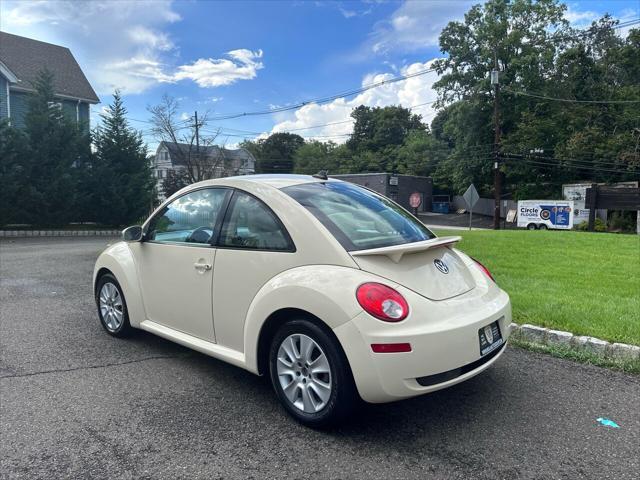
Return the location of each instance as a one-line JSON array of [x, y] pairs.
[[198, 163], [497, 178], [197, 136]]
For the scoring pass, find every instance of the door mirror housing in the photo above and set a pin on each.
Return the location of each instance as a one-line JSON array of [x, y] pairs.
[[132, 234]]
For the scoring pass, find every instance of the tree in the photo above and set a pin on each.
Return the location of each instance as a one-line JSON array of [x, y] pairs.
[[174, 181], [378, 128], [275, 153], [191, 140], [315, 156], [543, 141], [14, 175], [55, 162], [420, 154], [121, 180]]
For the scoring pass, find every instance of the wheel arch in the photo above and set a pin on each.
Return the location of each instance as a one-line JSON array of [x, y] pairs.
[[99, 273], [275, 321], [310, 292], [118, 260]]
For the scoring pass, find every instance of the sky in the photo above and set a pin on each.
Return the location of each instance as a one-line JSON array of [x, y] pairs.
[[246, 56]]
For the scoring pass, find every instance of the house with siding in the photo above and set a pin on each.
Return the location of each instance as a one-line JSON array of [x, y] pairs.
[[219, 162], [22, 59]]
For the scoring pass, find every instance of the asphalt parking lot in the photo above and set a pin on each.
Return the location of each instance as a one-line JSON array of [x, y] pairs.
[[76, 403]]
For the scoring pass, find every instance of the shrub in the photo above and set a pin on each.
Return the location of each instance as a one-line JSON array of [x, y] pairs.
[[599, 226]]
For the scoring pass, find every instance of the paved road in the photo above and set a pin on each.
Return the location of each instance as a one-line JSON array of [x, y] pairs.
[[76, 403]]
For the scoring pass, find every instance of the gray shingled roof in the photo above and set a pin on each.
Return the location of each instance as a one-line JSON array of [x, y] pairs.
[[26, 57], [210, 150]]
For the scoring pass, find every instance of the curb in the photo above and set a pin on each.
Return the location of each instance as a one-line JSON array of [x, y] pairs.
[[58, 233], [595, 346]]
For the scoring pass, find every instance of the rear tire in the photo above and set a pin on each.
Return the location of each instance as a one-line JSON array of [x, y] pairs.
[[532, 226], [542, 226], [112, 307], [311, 375]]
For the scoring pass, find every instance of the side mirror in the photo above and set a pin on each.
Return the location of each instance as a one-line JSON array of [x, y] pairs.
[[132, 234]]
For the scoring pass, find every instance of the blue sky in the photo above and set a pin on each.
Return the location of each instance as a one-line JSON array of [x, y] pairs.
[[228, 57]]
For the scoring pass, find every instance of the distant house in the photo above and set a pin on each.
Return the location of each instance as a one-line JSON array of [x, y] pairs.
[[219, 162], [22, 59]]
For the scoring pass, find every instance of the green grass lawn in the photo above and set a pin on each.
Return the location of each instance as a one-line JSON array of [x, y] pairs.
[[585, 283]]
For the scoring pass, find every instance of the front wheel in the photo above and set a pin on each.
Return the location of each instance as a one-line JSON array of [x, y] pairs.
[[310, 374], [112, 306], [532, 226], [542, 227]]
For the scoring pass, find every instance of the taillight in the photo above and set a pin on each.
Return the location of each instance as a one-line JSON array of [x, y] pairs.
[[484, 269], [382, 302]]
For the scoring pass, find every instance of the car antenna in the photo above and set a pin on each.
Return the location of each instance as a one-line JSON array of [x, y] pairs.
[[322, 175]]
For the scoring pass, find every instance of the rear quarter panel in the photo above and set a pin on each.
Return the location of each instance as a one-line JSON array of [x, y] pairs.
[[325, 291]]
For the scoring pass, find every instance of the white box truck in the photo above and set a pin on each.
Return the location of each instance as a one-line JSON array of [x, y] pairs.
[[545, 214]]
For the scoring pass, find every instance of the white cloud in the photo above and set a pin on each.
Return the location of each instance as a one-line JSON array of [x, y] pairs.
[[123, 44], [347, 13], [134, 75], [579, 18], [413, 91], [210, 72], [353, 9], [415, 25], [146, 37]]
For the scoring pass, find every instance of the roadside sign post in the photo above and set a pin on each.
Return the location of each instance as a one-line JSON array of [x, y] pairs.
[[471, 197]]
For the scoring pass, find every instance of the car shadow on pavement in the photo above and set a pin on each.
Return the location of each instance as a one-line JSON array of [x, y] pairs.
[[445, 409]]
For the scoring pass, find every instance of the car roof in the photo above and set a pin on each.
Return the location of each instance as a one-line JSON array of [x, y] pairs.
[[275, 180]]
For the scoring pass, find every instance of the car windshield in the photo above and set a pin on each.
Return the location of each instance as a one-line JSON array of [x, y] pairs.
[[359, 218]]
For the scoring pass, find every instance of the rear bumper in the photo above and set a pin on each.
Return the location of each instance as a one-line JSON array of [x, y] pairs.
[[444, 341]]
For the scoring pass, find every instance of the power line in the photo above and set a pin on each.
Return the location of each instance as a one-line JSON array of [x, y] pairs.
[[558, 164], [350, 120], [567, 100], [321, 100], [250, 133], [370, 86], [565, 160], [589, 31]]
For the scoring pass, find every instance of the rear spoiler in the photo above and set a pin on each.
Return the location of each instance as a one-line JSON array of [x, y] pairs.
[[395, 252]]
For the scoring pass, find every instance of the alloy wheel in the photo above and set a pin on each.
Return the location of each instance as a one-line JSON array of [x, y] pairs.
[[304, 373], [111, 307]]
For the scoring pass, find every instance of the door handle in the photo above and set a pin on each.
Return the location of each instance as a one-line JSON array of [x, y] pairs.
[[202, 266]]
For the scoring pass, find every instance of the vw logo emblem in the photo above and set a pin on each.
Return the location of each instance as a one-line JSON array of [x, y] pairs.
[[440, 265]]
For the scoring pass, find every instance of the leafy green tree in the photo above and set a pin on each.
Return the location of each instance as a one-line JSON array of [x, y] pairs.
[[275, 153], [121, 180], [544, 142], [314, 156], [420, 154], [378, 128]]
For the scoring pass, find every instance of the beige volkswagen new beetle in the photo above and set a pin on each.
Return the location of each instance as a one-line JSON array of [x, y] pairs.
[[332, 290]]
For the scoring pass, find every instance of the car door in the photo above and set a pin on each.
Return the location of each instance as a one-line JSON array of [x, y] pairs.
[[176, 259], [253, 247]]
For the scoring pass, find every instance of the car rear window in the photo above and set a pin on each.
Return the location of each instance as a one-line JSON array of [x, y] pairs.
[[359, 218]]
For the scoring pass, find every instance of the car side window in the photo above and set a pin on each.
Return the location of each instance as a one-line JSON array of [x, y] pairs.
[[191, 218], [250, 224]]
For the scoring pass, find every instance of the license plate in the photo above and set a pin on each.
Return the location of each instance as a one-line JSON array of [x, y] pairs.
[[490, 338]]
